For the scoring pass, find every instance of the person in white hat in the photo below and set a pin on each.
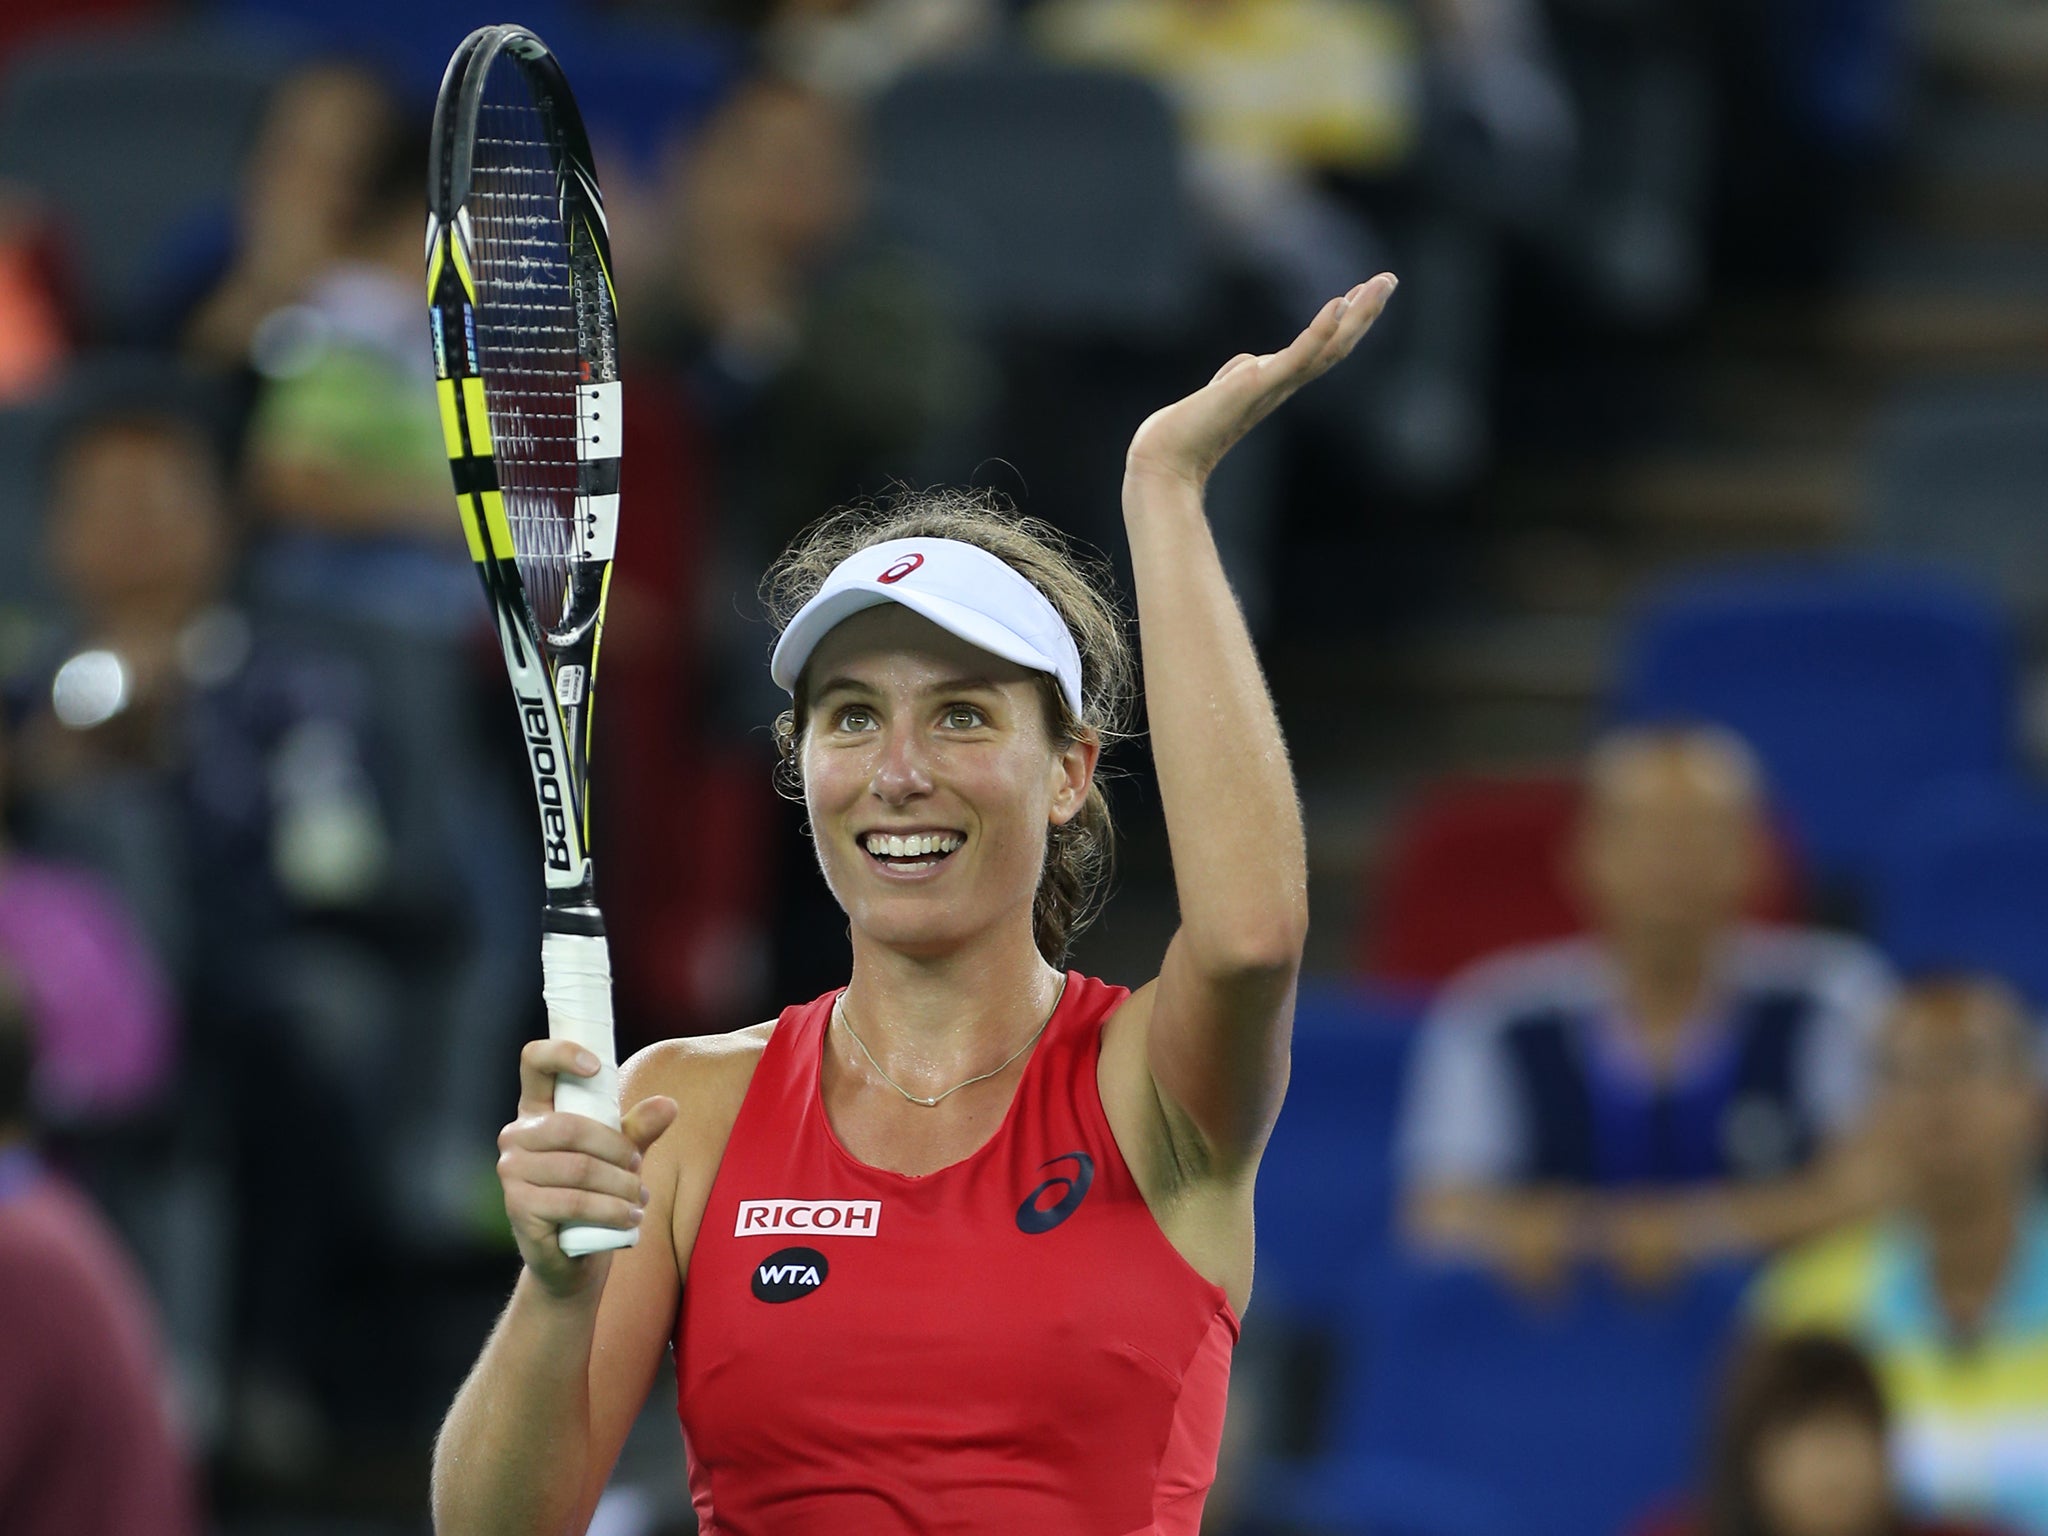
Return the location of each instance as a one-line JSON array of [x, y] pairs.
[[962, 1245]]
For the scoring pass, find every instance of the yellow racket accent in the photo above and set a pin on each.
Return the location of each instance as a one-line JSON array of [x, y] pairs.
[[479, 416], [435, 263], [451, 418], [495, 524], [462, 266], [472, 533]]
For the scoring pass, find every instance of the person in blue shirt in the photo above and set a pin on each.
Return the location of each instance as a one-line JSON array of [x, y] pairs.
[[1675, 1086]]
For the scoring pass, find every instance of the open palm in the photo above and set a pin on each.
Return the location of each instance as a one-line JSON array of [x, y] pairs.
[[1187, 439]]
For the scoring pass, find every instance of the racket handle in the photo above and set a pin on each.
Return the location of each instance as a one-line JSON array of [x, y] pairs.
[[576, 984]]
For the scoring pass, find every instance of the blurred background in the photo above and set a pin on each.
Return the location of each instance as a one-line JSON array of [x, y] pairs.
[[1657, 609]]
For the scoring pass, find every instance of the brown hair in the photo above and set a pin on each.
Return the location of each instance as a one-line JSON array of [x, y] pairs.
[[1777, 1383], [1078, 856]]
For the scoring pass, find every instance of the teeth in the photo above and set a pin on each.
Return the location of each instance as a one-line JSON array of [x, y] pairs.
[[921, 845]]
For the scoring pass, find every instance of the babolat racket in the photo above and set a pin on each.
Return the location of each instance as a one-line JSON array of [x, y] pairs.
[[525, 336]]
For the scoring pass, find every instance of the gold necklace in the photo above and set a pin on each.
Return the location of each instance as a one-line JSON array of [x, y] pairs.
[[839, 1016]]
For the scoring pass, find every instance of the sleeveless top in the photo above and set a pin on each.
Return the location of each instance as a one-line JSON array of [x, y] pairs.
[[1007, 1345]]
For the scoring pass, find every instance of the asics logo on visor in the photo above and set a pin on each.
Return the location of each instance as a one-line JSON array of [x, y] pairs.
[[900, 569]]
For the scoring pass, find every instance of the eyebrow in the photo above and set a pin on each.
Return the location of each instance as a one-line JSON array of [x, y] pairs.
[[844, 684]]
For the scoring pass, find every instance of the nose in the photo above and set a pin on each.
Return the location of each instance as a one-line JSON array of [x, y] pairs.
[[901, 773]]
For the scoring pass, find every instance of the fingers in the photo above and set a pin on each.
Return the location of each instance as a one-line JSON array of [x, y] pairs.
[[645, 1121], [1232, 366], [540, 1063], [581, 1207], [573, 1170], [559, 1131]]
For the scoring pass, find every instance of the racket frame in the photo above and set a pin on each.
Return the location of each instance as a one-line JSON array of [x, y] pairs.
[[552, 665]]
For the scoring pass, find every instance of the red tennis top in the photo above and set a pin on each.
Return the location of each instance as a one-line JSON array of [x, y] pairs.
[[1009, 1345]]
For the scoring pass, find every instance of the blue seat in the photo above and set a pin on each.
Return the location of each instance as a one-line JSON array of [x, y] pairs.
[[1958, 477], [1468, 1408], [1963, 885], [1325, 1189], [1857, 684], [1052, 196]]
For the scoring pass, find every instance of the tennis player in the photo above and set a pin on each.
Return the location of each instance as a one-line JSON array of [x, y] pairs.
[[960, 1247]]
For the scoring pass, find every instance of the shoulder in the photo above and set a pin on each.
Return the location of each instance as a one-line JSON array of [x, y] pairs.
[[700, 1072], [1810, 959], [1495, 993], [1824, 1283]]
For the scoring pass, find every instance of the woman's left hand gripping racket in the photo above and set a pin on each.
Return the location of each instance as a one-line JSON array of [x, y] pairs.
[[525, 337]]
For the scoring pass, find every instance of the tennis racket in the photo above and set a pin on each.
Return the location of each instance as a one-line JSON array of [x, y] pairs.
[[525, 335]]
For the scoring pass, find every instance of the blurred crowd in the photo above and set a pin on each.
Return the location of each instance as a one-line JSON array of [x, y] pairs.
[[268, 909]]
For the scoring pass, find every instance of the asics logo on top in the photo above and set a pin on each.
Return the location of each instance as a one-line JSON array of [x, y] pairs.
[[1067, 1190], [900, 569], [814, 1218]]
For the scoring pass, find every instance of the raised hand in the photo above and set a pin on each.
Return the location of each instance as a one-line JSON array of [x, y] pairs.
[[1186, 440], [559, 1168]]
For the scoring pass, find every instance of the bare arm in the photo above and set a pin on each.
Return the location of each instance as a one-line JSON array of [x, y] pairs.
[[531, 1439], [1534, 1234], [1217, 1033]]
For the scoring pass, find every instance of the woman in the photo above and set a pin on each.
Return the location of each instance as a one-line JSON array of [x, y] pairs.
[[1800, 1450], [964, 1242]]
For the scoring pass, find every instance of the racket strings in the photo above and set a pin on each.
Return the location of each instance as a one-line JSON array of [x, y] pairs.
[[527, 337]]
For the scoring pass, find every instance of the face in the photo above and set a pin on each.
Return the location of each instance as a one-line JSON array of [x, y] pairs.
[[780, 165], [1671, 840], [915, 735], [1823, 1475], [138, 523], [1962, 1095], [316, 146]]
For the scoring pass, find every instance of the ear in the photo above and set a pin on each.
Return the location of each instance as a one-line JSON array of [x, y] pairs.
[[1073, 771]]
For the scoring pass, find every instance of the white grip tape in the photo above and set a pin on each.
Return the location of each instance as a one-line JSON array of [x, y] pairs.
[[576, 984]]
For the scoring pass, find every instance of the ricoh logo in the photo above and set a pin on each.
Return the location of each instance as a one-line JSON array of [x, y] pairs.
[[547, 783], [817, 1218]]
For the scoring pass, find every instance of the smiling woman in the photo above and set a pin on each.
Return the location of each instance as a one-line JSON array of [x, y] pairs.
[[1078, 853], [961, 1245]]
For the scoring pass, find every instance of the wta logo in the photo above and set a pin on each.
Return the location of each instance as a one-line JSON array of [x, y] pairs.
[[1038, 1215], [789, 1273], [900, 569]]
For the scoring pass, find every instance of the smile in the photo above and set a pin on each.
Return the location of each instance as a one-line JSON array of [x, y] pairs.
[[912, 851]]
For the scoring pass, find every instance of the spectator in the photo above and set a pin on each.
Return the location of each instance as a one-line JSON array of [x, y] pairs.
[[1801, 1450], [822, 364], [104, 1025], [85, 1442], [346, 462], [1950, 1293], [229, 269], [1675, 1087], [168, 725], [856, 48], [1274, 94]]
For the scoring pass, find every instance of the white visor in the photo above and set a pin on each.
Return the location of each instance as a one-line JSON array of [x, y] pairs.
[[964, 590]]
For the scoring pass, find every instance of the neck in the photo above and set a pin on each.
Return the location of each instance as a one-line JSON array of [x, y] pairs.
[[1665, 979], [939, 1017], [1971, 1243]]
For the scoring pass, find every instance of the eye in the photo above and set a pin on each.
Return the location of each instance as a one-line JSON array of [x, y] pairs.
[[854, 717], [963, 717]]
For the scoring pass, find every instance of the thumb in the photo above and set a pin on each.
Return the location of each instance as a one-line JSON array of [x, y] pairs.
[[645, 1121]]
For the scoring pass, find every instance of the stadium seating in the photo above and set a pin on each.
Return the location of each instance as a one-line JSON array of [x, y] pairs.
[[1053, 196], [1963, 884], [1469, 1410], [1858, 685], [1958, 476], [1477, 865], [79, 115], [1325, 1192]]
